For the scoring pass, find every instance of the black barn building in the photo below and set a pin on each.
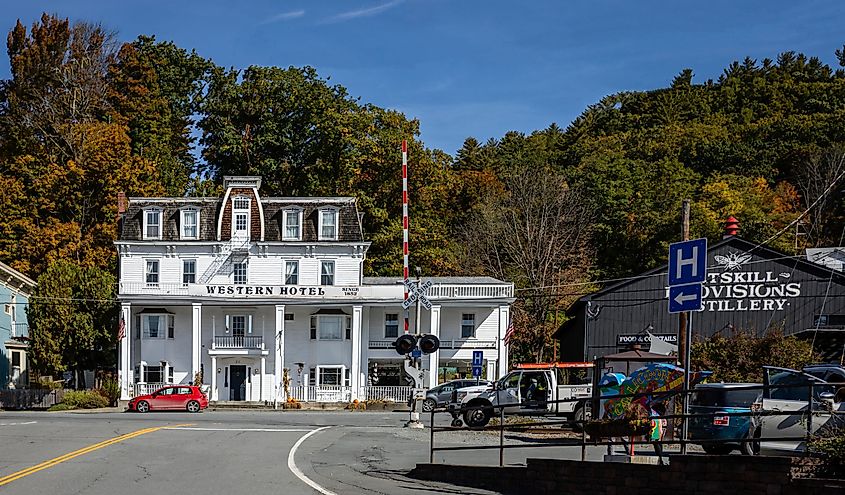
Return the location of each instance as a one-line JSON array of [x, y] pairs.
[[748, 288]]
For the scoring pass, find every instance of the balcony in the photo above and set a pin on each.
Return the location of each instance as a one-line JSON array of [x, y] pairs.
[[237, 342], [470, 291], [444, 344]]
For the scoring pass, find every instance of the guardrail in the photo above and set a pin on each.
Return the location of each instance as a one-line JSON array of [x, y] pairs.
[[806, 418]]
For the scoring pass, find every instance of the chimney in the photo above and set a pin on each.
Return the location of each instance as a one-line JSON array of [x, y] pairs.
[[731, 227], [121, 203]]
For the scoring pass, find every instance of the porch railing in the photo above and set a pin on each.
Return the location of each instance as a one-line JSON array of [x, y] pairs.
[[323, 393], [470, 291], [387, 393], [147, 388], [444, 344], [237, 342]]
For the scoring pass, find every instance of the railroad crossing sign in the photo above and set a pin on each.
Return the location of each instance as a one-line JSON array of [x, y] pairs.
[[417, 291], [687, 272]]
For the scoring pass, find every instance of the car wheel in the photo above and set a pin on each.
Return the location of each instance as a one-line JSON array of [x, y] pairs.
[[428, 405], [752, 445], [716, 449], [477, 417], [581, 416], [142, 406], [193, 406], [457, 423]]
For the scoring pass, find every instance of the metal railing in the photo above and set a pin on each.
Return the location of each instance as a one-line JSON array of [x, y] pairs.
[[321, 393], [805, 418], [387, 393], [237, 342], [20, 329]]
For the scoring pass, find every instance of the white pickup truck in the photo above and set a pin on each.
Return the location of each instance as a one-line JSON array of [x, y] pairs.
[[529, 390]]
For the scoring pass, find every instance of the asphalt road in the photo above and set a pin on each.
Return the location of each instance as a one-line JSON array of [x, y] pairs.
[[224, 452]]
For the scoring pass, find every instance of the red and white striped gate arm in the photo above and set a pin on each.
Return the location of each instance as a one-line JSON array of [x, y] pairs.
[[405, 223]]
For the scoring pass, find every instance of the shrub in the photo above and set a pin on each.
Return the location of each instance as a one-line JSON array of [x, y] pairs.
[[84, 399], [830, 447], [110, 390]]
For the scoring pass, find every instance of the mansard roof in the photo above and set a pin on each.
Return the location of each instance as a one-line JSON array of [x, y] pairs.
[[349, 226]]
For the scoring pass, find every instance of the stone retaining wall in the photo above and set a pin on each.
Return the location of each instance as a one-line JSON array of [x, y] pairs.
[[710, 475]]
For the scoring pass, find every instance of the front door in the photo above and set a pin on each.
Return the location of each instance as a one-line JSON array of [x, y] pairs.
[[237, 382]]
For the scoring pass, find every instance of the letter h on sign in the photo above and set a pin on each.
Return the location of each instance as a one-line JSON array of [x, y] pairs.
[[687, 262]]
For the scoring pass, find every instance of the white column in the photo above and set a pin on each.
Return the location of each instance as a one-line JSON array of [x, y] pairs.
[[196, 339], [504, 319], [434, 357], [279, 354], [126, 368], [261, 379], [491, 372], [213, 378], [356, 352]]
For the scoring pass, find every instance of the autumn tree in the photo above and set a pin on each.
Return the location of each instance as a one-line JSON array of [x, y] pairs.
[[73, 319], [536, 234]]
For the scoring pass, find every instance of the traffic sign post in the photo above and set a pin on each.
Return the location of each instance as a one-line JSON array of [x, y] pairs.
[[477, 363], [687, 273]]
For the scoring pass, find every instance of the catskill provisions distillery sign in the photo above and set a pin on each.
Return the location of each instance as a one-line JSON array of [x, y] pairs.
[[740, 288]]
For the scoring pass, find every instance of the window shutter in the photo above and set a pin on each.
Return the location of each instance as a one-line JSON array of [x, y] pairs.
[[226, 376], [227, 323], [312, 376], [249, 324], [348, 328], [171, 323], [313, 328], [347, 380], [137, 326], [249, 374]]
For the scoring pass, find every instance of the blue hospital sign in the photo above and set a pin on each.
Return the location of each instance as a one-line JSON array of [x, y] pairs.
[[687, 262]]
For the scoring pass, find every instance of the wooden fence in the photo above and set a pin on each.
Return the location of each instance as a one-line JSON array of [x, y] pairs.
[[30, 398]]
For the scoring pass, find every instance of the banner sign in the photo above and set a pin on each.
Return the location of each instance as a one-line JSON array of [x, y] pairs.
[[293, 291]]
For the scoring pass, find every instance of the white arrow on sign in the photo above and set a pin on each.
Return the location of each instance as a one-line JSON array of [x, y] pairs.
[[681, 298]]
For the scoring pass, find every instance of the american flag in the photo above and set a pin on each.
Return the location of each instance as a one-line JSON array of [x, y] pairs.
[[509, 332], [121, 329]]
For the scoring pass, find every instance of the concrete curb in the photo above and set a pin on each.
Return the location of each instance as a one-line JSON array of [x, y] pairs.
[[91, 411]]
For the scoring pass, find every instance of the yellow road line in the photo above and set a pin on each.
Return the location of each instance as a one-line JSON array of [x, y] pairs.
[[76, 453]]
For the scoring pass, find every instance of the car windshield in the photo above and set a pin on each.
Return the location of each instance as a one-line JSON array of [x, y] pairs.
[[724, 397]]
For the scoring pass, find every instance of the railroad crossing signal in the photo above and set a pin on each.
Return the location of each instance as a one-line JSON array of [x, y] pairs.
[[415, 292]]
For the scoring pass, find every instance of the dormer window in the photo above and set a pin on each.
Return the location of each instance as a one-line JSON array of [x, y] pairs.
[[328, 224], [292, 225], [190, 223], [152, 223]]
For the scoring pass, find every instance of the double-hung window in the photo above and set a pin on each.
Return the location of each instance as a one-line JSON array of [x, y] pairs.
[[327, 327], [330, 375], [158, 326], [189, 272], [239, 273], [153, 374], [291, 272], [467, 325], [391, 325], [152, 223], [327, 273], [190, 223], [292, 228], [328, 224], [151, 272]]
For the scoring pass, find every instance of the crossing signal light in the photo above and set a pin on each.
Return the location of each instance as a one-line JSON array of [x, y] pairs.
[[405, 344], [429, 344]]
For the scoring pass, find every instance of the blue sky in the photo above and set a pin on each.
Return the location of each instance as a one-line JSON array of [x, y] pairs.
[[473, 67]]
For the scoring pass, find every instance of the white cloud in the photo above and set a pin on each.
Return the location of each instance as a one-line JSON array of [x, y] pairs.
[[284, 16], [369, 11]]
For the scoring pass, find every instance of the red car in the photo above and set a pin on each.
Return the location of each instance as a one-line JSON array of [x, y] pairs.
[[178, 397]]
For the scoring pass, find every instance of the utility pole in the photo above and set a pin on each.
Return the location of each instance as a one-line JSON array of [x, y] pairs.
[[683, 338], [683, 317]]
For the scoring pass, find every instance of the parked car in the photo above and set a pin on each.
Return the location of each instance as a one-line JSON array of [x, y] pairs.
[[178, 397], [439, 396], [831, 373], [788, 391], [718, 400]]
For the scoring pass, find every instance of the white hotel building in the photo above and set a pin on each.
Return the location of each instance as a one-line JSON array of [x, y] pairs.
[[265, 299]]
